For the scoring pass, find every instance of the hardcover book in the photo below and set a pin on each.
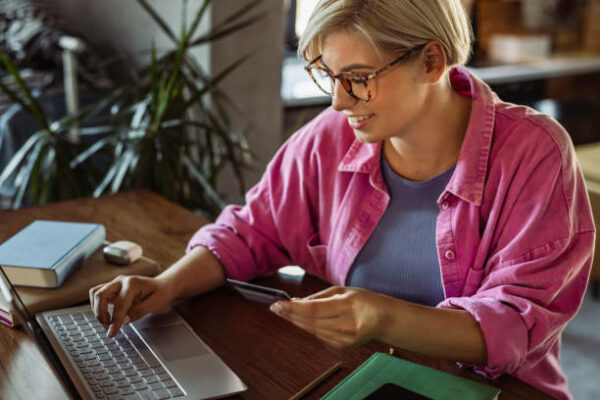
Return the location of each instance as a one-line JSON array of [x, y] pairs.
[[94, 271], [44, 253], [380, 370]]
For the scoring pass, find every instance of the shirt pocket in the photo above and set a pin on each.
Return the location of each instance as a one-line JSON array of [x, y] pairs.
[[318, 253]]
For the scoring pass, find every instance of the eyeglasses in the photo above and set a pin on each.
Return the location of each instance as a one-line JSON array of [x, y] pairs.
[[355, 83]]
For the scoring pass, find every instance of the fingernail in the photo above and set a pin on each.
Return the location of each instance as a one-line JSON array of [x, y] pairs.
[[110, 331], [126, 320], [276, 308]]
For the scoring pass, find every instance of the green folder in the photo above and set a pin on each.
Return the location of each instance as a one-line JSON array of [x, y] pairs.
[[381, 368]]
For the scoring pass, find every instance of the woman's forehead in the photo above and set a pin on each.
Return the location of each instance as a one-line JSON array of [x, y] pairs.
[[340, 49]]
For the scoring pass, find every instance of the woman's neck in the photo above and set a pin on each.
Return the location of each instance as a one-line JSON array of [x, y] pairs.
[[433, 145]]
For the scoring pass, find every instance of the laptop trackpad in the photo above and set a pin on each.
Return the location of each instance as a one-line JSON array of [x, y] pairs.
[[173, 342]]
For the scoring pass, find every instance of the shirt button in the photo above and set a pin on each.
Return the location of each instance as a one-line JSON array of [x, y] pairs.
[[450, 255], [445, 205]]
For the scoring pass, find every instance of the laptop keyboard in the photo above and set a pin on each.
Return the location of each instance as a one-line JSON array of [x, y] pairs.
[[122, 367]]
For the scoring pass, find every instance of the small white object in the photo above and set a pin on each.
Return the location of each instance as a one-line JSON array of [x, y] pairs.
[[519, 48], [122, 252], [71, 43]]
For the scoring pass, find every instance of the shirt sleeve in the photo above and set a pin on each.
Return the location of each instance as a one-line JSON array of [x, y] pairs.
[[272, 229], [537, 271]]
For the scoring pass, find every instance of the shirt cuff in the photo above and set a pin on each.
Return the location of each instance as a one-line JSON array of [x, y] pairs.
[[505, 333], [216, 240]]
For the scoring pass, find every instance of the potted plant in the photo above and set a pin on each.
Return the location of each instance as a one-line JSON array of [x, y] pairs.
[[169, 129]]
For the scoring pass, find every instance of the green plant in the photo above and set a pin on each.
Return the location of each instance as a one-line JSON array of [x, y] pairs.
[[169, 130]]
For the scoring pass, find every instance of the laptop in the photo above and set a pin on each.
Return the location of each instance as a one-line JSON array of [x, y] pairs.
[[157, 357]]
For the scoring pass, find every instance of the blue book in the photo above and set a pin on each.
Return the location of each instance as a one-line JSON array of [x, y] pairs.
[[45, 253]]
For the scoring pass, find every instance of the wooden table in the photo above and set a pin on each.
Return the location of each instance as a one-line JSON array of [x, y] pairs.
[[273, 357]]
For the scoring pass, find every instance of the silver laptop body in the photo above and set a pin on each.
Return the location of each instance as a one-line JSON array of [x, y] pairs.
[[156, 357]]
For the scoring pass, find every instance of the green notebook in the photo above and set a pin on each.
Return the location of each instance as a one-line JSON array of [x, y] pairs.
[[381, 368]]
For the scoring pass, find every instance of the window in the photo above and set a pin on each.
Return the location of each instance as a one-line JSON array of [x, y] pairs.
[[298, 15]]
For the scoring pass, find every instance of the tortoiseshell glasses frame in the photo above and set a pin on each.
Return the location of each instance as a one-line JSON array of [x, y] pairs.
[[348, 79]]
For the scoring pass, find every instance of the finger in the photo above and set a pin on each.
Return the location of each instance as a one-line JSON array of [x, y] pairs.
[[101, 299], [330, 291], [130, 291], [92, 292], [335, 337], [333, 324], [318, 308]]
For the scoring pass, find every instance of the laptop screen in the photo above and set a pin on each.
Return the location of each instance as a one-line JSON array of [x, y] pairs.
[[34, 331], [14, 300]]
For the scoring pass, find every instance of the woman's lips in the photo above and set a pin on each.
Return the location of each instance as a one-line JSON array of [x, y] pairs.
[[359, 121]]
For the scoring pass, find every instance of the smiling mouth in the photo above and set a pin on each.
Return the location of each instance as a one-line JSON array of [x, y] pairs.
[[358, 119]]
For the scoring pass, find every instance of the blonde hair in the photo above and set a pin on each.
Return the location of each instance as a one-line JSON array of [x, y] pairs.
[[394, 26]]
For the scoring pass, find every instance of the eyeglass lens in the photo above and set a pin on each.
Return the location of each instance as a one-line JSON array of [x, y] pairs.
[[355, 86]]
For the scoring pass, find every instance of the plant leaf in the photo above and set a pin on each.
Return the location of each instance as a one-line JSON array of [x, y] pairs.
[[33, 105], [106, 180], [20, 155], [153, 74], [198, 18], [241, 12], [90, 151], [125, 161], [48, 168], [158, 19], [215, 81], [26, 173], [168, 91], [87, 112], [193, 170], [221, 32]]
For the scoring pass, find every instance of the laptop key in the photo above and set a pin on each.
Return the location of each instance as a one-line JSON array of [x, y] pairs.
[[146, 395], [169, 383], [110, 390], [106, 382], [126, 391], [122, 383], [162, 394], [175, 392], [164, 376], [129, 372]]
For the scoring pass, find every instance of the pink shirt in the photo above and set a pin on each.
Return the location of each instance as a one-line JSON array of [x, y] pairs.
[[514, 234]]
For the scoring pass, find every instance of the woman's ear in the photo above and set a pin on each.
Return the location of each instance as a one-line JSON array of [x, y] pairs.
[[434, 61]]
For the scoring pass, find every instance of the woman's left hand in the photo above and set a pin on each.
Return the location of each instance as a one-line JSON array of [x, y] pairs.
[[340, 316]]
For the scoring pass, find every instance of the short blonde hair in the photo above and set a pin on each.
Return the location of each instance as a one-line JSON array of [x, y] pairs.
[[394, 26]]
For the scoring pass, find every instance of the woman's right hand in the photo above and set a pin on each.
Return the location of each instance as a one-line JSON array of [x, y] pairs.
[[132, 297]]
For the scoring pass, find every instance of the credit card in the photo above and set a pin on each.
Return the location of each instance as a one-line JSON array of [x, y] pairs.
[[262, 294]]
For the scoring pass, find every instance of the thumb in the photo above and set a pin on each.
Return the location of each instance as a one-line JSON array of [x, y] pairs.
[[330, 291]]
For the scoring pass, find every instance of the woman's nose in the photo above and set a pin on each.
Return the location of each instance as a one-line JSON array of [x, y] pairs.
[[340, 98]]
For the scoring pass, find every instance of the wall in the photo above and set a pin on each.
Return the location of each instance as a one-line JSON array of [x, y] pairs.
[[125, 25], [255, 86]]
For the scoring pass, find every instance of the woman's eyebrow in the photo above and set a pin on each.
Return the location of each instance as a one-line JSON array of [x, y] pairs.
[[348, 67], [357, 66]]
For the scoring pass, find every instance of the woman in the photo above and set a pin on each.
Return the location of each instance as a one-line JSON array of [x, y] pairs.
[[454, 224]]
